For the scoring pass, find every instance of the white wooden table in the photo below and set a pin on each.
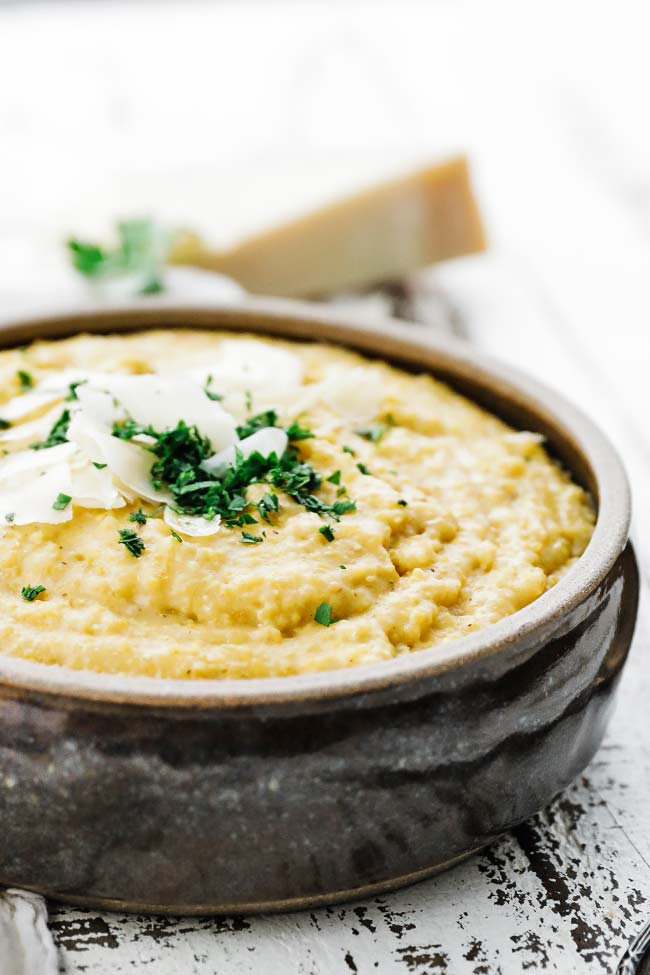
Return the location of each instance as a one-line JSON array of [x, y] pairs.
[[225, 113]]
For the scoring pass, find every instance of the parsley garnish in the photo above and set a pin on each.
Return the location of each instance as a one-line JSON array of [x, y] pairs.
[[175, 535], [180, 455], [248, 539], [9, 517], [350, 451], [26, 379], [215, 397], [128, 429], [296, 432], [58, 434], [131, 541], [342, 507], [72, 390], [363, 468], [4, 424], [254, 423], [100, 467], [373, 433], [267, 503], [29, 593], [323, 615], [269, 418], [327, 531], [141, 252], [62, 502], [138, 516], [402, 503], [334, 478]]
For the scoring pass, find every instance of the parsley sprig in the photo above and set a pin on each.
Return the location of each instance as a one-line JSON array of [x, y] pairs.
[[141, 252]]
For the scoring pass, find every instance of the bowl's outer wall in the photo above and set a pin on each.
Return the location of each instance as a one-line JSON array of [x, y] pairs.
[[267, 806]]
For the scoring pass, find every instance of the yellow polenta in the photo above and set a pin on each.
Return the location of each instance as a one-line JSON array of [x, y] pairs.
[[489, 523]]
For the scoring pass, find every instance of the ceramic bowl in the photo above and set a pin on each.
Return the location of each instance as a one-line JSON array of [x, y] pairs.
[[214, 796]]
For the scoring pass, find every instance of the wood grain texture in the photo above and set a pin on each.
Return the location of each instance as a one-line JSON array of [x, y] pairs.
[[550, 110]]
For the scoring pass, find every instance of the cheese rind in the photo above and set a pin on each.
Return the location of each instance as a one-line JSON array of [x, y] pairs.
[[378, 235]]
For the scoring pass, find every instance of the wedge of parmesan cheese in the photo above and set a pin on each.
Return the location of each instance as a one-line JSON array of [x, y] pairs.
[[383, 233]]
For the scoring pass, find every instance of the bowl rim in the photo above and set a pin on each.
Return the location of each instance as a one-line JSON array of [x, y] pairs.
[[389, 339]]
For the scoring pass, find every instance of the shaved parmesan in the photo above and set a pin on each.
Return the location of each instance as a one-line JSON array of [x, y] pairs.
[[31, 500], [129, 463], [93, 488], [160, 403], [32, 431], [191, 526], [60, 382], [100, 406], [248, 365], [270, 440], [33, 462], [356, 394], [31, 480], [22, 406]]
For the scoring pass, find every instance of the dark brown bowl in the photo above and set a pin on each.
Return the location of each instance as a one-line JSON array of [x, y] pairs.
[[221, 796]]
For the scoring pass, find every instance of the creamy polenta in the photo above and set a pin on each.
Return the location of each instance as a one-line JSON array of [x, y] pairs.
[[429, 518]]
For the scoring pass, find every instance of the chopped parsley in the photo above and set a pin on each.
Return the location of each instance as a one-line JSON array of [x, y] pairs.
[[249, 400], [323, 615], [350, 451], [342, 507], [248, 539], [4, 424], [9, 517], [62, 502], [72, 390], [215, 397], [29, 593], [402, 503], [138, 517], [254, 423], [296, 432], [141, 251], [363, 468], [57, 435], [341, 491], [334, 478], [181, 453], [128, 429], [131, 541], [175, 535], [343, 567], [267, 504], [374, 433], [100, 467], [327, 531], [269, 418], [25, 378]]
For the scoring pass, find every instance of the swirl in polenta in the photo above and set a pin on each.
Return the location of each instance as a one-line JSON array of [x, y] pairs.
[[199, 504]]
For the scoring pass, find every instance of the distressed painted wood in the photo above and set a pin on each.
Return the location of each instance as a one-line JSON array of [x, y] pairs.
[[552, 110]]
